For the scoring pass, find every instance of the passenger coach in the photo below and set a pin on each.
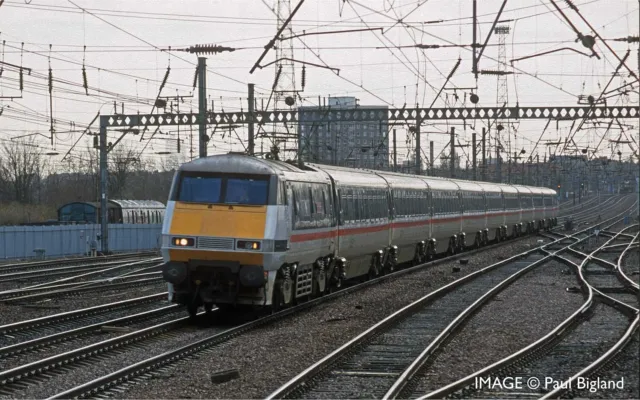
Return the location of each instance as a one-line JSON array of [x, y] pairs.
[[240, 230]]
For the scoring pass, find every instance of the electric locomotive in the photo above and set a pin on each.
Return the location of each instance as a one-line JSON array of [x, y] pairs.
[[243, 231]]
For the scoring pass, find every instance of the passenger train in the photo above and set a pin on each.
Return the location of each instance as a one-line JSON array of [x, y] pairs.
[[239, 230], [118, 212]]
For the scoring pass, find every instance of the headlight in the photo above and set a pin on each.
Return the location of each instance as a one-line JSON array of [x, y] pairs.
[[182, 242], [247, 245]]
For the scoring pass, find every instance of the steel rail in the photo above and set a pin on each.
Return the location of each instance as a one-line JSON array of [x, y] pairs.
[[153, 363], [559, 330], [100, 286], [75, 284], [620, 270], [147, 366], [71, 315], [408, 374], [52, 273], [613, 302], [46, 341], [613, 351], [92, 273], [71, 261], [316, 368], [45, 366], [593, 367]]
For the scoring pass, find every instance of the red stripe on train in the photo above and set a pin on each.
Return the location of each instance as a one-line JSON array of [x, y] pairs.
[[304, 237]]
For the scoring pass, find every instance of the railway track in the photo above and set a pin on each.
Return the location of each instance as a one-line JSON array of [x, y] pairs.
[[622, 271], [598, 329], [113, 382], [220, 337], [44, 278], [129, 280], [136, 318], [68, 262], [22, 331], [381, 362]]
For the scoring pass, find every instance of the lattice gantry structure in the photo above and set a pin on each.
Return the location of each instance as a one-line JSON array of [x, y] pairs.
[[403, 115]]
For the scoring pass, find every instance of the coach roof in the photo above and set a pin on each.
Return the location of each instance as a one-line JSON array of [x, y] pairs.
[[239, 164]]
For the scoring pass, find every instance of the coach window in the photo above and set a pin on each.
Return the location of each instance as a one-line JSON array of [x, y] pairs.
[[351, 204], [362, 204], [346, 206], [373, 205], [366, 205], [413, 203], [403, 203], [357, 198], [302, 206]]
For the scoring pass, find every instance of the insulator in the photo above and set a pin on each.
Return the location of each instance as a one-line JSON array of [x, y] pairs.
[[208, 49], [275, 82], [50, 81], [164, 81], [304, 76], [84, 80], [571, 5], [21, 79], [195, 77]]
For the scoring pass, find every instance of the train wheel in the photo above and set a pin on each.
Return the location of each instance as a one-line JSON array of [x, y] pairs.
[[478, 242]]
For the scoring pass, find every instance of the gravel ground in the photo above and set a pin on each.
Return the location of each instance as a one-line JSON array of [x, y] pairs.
[[302, 339], [14, 313], [626, 366], [518, 316]]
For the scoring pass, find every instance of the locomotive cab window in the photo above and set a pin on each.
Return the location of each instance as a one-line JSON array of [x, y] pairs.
[[207, 188], [246, 191]]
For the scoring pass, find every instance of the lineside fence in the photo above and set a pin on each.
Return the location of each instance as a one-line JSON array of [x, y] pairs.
[[74, 240]]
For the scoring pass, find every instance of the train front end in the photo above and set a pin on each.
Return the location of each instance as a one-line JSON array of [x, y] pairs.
[[222, 242]]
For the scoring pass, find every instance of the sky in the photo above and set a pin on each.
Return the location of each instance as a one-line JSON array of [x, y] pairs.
[[124, 45]]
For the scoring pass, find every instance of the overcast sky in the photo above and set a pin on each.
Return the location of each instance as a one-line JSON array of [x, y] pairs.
[[123, 61]]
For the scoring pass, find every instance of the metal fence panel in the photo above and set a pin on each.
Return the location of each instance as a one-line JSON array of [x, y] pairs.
[[68, 240]]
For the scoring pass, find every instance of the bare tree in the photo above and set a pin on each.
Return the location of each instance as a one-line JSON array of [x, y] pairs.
[[123, 163], [22, 165]]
